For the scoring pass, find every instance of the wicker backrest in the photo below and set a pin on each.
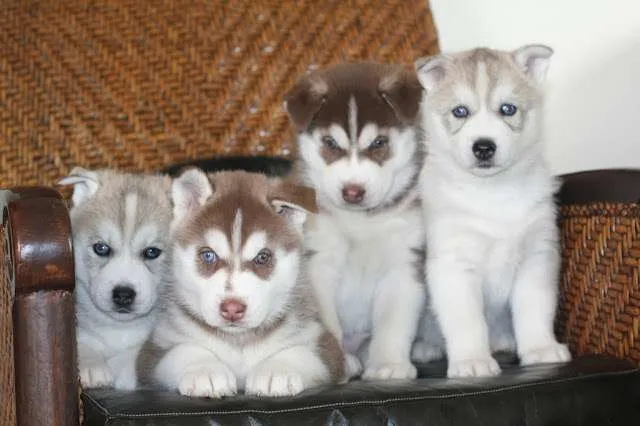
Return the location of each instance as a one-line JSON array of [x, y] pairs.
[[600, 295], [140, 85]]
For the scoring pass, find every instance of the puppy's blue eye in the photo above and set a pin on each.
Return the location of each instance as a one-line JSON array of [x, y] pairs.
[[460, 111], [508, 109], [101, 249], [330, 142], [379, 142], [151, 253], [208, 256], [263, 257]]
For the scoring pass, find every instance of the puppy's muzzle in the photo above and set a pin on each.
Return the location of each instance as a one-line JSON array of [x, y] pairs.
[[232, 310], [353, 193], [484, 149], [123, 297]]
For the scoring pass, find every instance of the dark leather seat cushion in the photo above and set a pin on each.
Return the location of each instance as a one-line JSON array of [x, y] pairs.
[[594, 390]]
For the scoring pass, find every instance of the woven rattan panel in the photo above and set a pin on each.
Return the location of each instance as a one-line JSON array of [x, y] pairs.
[[600, 306], [141, 84], [7, 390]]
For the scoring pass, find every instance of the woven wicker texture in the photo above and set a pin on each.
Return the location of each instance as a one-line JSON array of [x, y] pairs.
[[142, 84], [7, 391], [600, 305]]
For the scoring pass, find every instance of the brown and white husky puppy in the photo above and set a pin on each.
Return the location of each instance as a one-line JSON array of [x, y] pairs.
[[239, 315], [359, 146]]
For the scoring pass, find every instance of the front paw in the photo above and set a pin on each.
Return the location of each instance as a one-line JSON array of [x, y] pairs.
[[479, 367], [402, 370], [274, 381], [555, 352], [96, 375], [213, 380]]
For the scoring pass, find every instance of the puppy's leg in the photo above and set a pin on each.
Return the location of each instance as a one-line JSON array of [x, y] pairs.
[[455, 287], [195, 371], [287, 373], [534, 300], [123, 366], [93, 369], [325, 268], [396, 312]]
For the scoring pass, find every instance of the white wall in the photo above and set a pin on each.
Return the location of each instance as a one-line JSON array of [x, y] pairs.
[[593, 90]]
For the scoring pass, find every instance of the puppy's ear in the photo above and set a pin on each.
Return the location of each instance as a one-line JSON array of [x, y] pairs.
[[305, 99], [534, 60], [402, 91], [431, 71], [292, 201], [189, 191], [85, 184]]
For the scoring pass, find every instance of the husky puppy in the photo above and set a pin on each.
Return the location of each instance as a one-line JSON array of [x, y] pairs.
[[493, 254], [119, 224], [239, 315], [359, 147]]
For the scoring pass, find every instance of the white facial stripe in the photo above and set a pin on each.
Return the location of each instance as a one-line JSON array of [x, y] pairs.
[[110, 234], [146, 236], [339, 134], [236, 233], [367, 135], [130, 208], [482, 84], [256, 242], [353, 120], [218, 241]]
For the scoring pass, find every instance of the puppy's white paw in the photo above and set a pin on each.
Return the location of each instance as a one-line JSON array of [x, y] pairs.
[[213, 380], [274, 381], [556, 352], [423, 352], [96, 375], [480, 367], [352, 366], [404, 370]]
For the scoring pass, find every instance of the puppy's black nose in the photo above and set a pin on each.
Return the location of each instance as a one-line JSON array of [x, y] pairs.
[[484, 149], [123, 296]]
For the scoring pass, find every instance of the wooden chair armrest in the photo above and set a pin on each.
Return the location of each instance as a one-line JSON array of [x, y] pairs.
[[39, 271]]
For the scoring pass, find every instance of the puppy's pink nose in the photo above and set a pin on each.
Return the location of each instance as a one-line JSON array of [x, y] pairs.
[[353, 193], [232, 309]]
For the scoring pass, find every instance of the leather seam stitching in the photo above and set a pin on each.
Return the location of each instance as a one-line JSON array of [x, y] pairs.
[[364, 402]]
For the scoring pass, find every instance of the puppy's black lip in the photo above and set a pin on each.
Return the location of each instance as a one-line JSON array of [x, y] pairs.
[[485, 164], [123, 310]]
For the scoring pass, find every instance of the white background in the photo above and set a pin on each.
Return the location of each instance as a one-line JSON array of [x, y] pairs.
[[593, 85]]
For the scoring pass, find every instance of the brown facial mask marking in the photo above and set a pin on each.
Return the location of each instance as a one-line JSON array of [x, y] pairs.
[[331, 155], [261, 271], [207, 270], [379, 151]]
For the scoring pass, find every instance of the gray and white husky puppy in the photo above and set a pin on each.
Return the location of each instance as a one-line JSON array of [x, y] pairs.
[[120, 227], [492, 244]]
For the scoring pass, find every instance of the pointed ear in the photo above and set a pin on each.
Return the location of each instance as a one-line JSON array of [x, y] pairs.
[[189, 192], [305, 99], [431, 71], [85, 184], [293, 202], [402, 91], [534, 60]]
